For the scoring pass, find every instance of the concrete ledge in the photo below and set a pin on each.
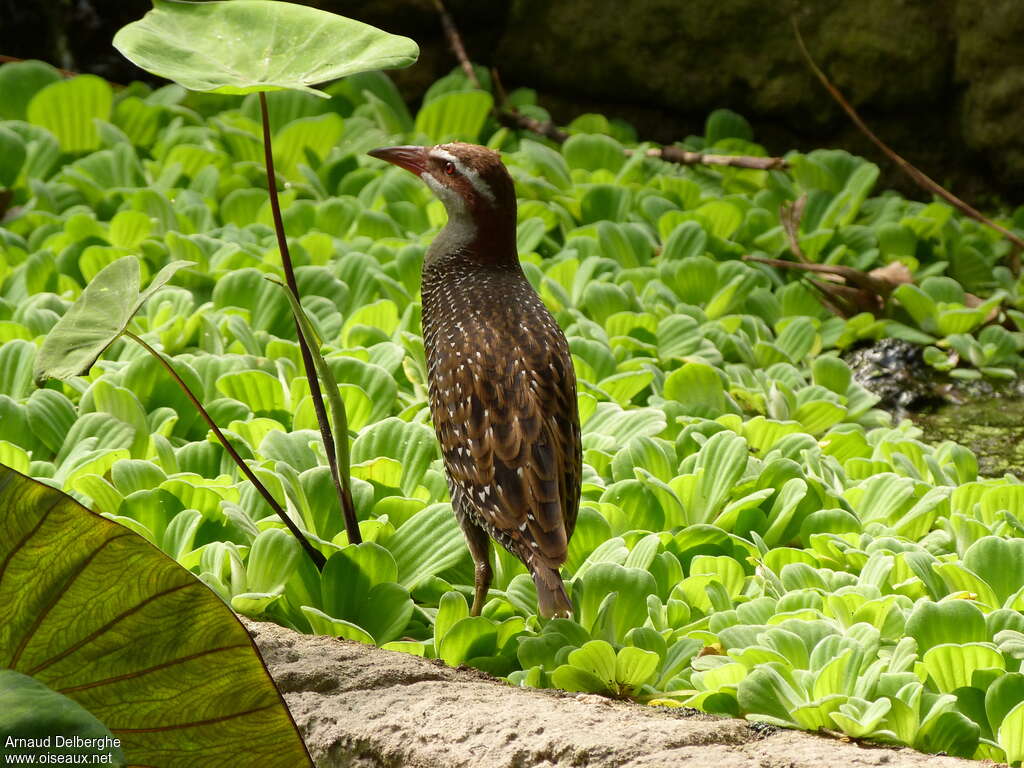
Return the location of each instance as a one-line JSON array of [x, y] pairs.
[[363, 707]]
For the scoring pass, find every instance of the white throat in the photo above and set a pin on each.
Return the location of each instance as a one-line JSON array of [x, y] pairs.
[[460, 231]]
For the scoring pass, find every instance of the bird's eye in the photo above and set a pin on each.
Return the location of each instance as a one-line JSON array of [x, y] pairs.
[[449, 168]]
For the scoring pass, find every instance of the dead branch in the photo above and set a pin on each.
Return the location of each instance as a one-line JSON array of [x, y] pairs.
[[846, 291], [513, 118], [919, 177], [680, 156]]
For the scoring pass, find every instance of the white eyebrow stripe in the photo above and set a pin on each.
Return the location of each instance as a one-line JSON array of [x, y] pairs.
[[478, 183]]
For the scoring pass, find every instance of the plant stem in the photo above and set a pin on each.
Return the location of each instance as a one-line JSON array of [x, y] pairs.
[[314, 554], [344, 498], [330, 384]]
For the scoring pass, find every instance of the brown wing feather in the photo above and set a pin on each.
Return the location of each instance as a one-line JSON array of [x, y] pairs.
[[503, 397]]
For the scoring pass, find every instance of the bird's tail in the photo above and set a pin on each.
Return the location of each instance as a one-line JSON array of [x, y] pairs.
[[552, 600]]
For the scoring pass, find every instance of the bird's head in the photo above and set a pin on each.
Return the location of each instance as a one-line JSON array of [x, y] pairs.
[[470, 180]]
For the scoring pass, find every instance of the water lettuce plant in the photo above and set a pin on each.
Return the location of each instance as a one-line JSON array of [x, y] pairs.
[[755, 538]]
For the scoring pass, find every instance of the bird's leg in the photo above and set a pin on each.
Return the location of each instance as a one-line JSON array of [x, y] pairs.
[[480, 549]]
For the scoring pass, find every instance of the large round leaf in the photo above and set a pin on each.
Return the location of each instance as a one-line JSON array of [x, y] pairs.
[[241, 46], [95, 613]]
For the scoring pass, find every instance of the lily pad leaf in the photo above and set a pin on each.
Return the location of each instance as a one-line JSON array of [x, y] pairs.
[[100, 315], [101, 625], [244, 46]]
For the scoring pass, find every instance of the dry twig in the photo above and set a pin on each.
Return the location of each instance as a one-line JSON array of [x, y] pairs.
[[455, 41], [919, 177], [683, 157]]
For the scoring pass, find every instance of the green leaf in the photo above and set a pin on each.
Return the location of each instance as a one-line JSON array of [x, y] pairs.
[[1001, 697], [268, 307], [767, 695], [591, 669], [832, 373], [97, 318], [632, 586], [698, 387], [953, 666], [919, 305], [414, 446], [456, 116], [315, 135], [19, 82], [593, 151], [322, 624], [129, 228], [210, 46], [102, 623], [67, 109], [12, 157], [686, 241], [999, 562], [726, 124], [359, 586], [271, 560], [259, 390], [723, 217], [1010, 734], [30, 710], [721, 462], [451, 609], [427, 544], [468, 638], [634, 667], [723, 569], [17, 359], [953, 621]]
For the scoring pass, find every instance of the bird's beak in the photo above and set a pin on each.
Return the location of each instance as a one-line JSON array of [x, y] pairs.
[[411, 158]]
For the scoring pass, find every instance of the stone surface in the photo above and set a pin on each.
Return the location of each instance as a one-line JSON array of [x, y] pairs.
[[990, 69], [361, 707]]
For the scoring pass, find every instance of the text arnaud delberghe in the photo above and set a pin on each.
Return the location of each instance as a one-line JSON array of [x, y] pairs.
[[64, 742]]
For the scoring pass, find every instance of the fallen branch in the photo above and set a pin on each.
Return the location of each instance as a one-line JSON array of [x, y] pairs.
[[683, 157], [846, 291], [921, 178], [510, 117]]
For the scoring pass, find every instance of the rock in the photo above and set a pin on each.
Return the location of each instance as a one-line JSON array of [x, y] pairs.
[[990, 66], [707, 54], [360, 707], [894, 370]]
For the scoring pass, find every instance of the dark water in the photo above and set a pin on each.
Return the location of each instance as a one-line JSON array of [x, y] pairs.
[[992, 428]]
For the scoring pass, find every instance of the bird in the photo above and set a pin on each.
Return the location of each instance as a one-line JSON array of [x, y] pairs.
[[501, 382]]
